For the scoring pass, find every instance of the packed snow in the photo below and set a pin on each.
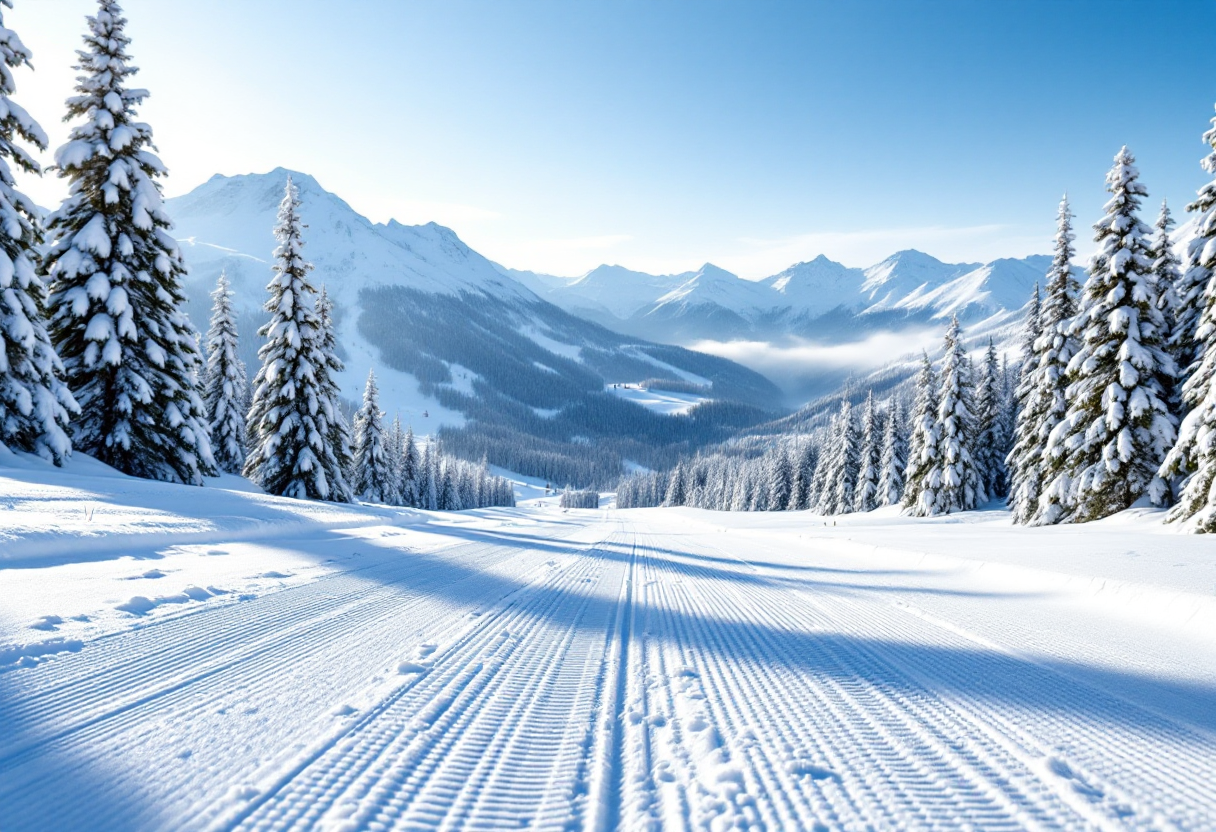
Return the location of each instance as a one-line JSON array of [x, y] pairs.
[[215, 658], [660, 401]]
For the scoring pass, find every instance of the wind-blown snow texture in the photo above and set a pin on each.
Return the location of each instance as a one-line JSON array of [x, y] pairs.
[[176, 658]]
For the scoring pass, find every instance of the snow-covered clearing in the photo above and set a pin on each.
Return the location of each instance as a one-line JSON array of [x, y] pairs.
[[298, 666], [660, 401]]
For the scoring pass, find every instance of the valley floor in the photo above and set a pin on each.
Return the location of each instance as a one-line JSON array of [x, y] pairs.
[[180, 659]]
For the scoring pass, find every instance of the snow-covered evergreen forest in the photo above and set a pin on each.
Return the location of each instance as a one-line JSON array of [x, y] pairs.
[[1108, 403], [99, 354], [310, 521]]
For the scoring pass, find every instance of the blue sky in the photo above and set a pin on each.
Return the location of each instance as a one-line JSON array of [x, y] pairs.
[[659, 135]]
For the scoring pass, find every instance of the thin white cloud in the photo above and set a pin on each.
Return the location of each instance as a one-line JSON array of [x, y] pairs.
[[598, 243], [801, 358]]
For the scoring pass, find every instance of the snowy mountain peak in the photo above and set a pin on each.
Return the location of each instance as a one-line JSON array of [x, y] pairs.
[[908, 274]]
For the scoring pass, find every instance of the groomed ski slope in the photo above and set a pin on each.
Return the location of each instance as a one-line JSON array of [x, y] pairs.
[[300, 666]]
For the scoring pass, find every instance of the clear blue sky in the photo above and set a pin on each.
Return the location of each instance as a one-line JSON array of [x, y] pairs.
[[558, 135]]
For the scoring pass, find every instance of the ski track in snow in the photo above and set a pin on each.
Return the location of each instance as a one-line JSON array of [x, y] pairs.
[[596, 674]]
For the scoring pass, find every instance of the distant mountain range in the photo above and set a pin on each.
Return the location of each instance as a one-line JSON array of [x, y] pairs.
[[818, 299], [456, 344]]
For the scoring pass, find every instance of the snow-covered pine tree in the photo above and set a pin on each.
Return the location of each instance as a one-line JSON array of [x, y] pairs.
[[1032, 323], [340, 442], [225, 383], [448, 499], [292, 416], [991, 443], [894, 456], [741, 494], [1118, 427], [1054, 350], [1009, 412], [130, 355], [1193, 457], [1198, 270], [35, 404], [780, 480], [1048, 346], [843, 463], [411, 471], [804, 474], [1165, 270], [922, 443], [373, 480], [396, 457], [428, 497], [1166, 277], [1192, 460], [954, 483], [677, 492], [865, 497]]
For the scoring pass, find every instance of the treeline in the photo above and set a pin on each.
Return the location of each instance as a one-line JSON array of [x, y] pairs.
[[588, 443], [1115, 401], [579, 499], [863, 459], [675, 385]]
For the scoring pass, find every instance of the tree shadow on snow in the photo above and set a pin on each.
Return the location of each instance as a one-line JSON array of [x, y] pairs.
[[46, 782]]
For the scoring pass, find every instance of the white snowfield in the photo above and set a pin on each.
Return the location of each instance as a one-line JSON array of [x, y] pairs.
[[665, 402], [183, 658]]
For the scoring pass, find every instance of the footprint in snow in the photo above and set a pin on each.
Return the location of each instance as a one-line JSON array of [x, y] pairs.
[[48, 623], [1062, 769], [274, 574], [805, 768], [405, 668], [346, 710]]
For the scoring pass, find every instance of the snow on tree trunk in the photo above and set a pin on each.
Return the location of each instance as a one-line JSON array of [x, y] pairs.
[[922, 445], [225, 383], [953, 483], [865, 497], [130, 354], [1192, 460], [1118, 427], [894, 457], [35, 403], [373, 479], [292, 414]]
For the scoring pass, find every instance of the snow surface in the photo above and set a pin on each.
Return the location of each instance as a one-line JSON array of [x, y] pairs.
[[660, 401], [210, 658]]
